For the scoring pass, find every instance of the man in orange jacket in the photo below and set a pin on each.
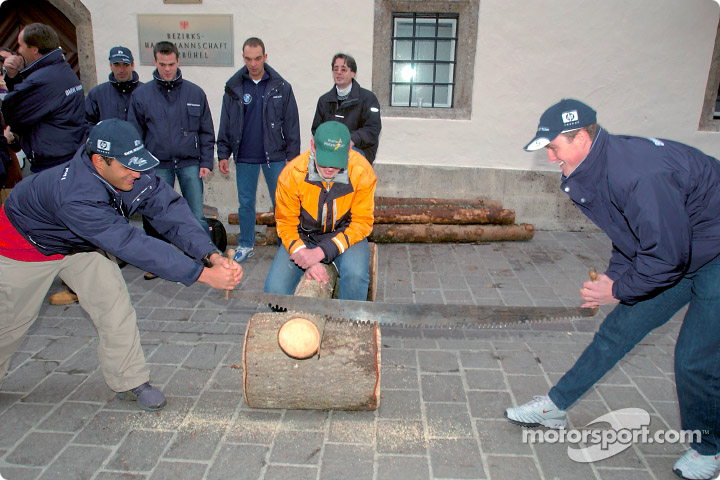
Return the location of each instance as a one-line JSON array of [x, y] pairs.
[[324, 214]]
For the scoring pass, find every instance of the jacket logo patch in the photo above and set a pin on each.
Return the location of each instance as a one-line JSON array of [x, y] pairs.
[[374, 109], [70, 91], [247, 98]]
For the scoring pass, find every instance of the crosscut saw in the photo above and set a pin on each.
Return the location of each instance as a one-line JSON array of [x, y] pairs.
[[415, 314]]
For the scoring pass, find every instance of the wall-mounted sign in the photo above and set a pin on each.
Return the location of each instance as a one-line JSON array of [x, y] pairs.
[[200, 39]]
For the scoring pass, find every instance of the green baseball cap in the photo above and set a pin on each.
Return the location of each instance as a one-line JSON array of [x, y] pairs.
[[332, 144]]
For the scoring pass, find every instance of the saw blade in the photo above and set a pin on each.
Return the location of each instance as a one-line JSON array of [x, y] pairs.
[[416, 314]]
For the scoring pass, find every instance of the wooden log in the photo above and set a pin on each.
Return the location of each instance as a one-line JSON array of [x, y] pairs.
[[396, 233], [264, 218], [444, 215], [345, 375], [425, 213], [384, 202], [312, 288], [299, 338], [372, 287]]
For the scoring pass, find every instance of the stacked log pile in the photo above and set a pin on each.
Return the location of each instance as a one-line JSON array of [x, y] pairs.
[[431, 220]]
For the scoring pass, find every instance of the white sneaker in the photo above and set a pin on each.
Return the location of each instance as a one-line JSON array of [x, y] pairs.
[[694, 466], [243, 253], [540, 411]]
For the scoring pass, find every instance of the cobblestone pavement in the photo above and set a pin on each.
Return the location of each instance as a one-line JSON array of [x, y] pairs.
[[443, 391]]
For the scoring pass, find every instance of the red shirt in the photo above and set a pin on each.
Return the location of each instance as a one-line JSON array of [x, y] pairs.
[[14, 246]]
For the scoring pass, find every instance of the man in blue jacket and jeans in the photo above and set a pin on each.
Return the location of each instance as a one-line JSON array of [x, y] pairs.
[[260, 128], [62, 221], [173, 117], [658, 201]]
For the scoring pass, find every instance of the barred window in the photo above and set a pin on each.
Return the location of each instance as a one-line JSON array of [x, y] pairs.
[[423, 60], [424, 56]]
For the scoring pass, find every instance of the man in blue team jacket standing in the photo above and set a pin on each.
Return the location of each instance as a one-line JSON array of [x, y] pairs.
[[260, 128], [62, 221], [658, 201], [173, 117], [112, 98], [45, 105]]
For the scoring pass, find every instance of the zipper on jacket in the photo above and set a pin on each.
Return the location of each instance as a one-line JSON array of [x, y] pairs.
[[324, 218], [264, 108]]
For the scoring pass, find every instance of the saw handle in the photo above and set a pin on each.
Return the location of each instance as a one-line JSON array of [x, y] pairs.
[[593, 278], [230, 257]]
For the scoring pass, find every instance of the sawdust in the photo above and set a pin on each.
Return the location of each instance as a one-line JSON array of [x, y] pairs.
[[396, 435]]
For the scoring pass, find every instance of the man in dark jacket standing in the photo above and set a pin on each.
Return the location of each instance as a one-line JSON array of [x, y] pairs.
[[259, 127], [173, 117], [352, 105], [112, 98], [658, 201], [62, 220], [45, 106]]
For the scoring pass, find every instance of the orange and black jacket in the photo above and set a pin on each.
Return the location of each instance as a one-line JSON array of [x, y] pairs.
[[314, 213]]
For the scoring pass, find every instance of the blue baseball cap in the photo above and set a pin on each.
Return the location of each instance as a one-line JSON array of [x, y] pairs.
[[118, 139], [566, 115], [121, 55]]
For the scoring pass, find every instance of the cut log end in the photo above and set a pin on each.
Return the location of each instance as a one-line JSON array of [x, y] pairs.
[[299, 338]]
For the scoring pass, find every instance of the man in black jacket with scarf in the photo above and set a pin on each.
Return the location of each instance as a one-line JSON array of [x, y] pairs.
[[352, 105]]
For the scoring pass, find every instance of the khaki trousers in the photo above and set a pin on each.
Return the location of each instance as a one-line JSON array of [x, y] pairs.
[[102, 293]]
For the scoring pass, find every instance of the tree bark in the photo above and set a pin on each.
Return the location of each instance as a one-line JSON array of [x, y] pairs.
[[422, 213], [386, 202], [444, 215], [372, 287], [344, 375], [396, 233], [312, 288]]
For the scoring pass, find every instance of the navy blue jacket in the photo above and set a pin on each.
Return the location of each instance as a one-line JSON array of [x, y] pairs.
[[71, 208], [360, 112], [175, 122], [110, 100], [658, 201], [46, 108], [281, 127]]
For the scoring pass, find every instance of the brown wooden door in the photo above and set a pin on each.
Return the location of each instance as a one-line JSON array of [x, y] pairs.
[[15, 14]]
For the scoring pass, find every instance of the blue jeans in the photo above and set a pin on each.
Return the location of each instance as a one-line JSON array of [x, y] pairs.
[[246, 177], [697, 351], [353, 273]]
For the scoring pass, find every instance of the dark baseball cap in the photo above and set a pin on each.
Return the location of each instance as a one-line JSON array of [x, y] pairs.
[[564, 116], [120, 55], [120, 140], [332, 144]]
